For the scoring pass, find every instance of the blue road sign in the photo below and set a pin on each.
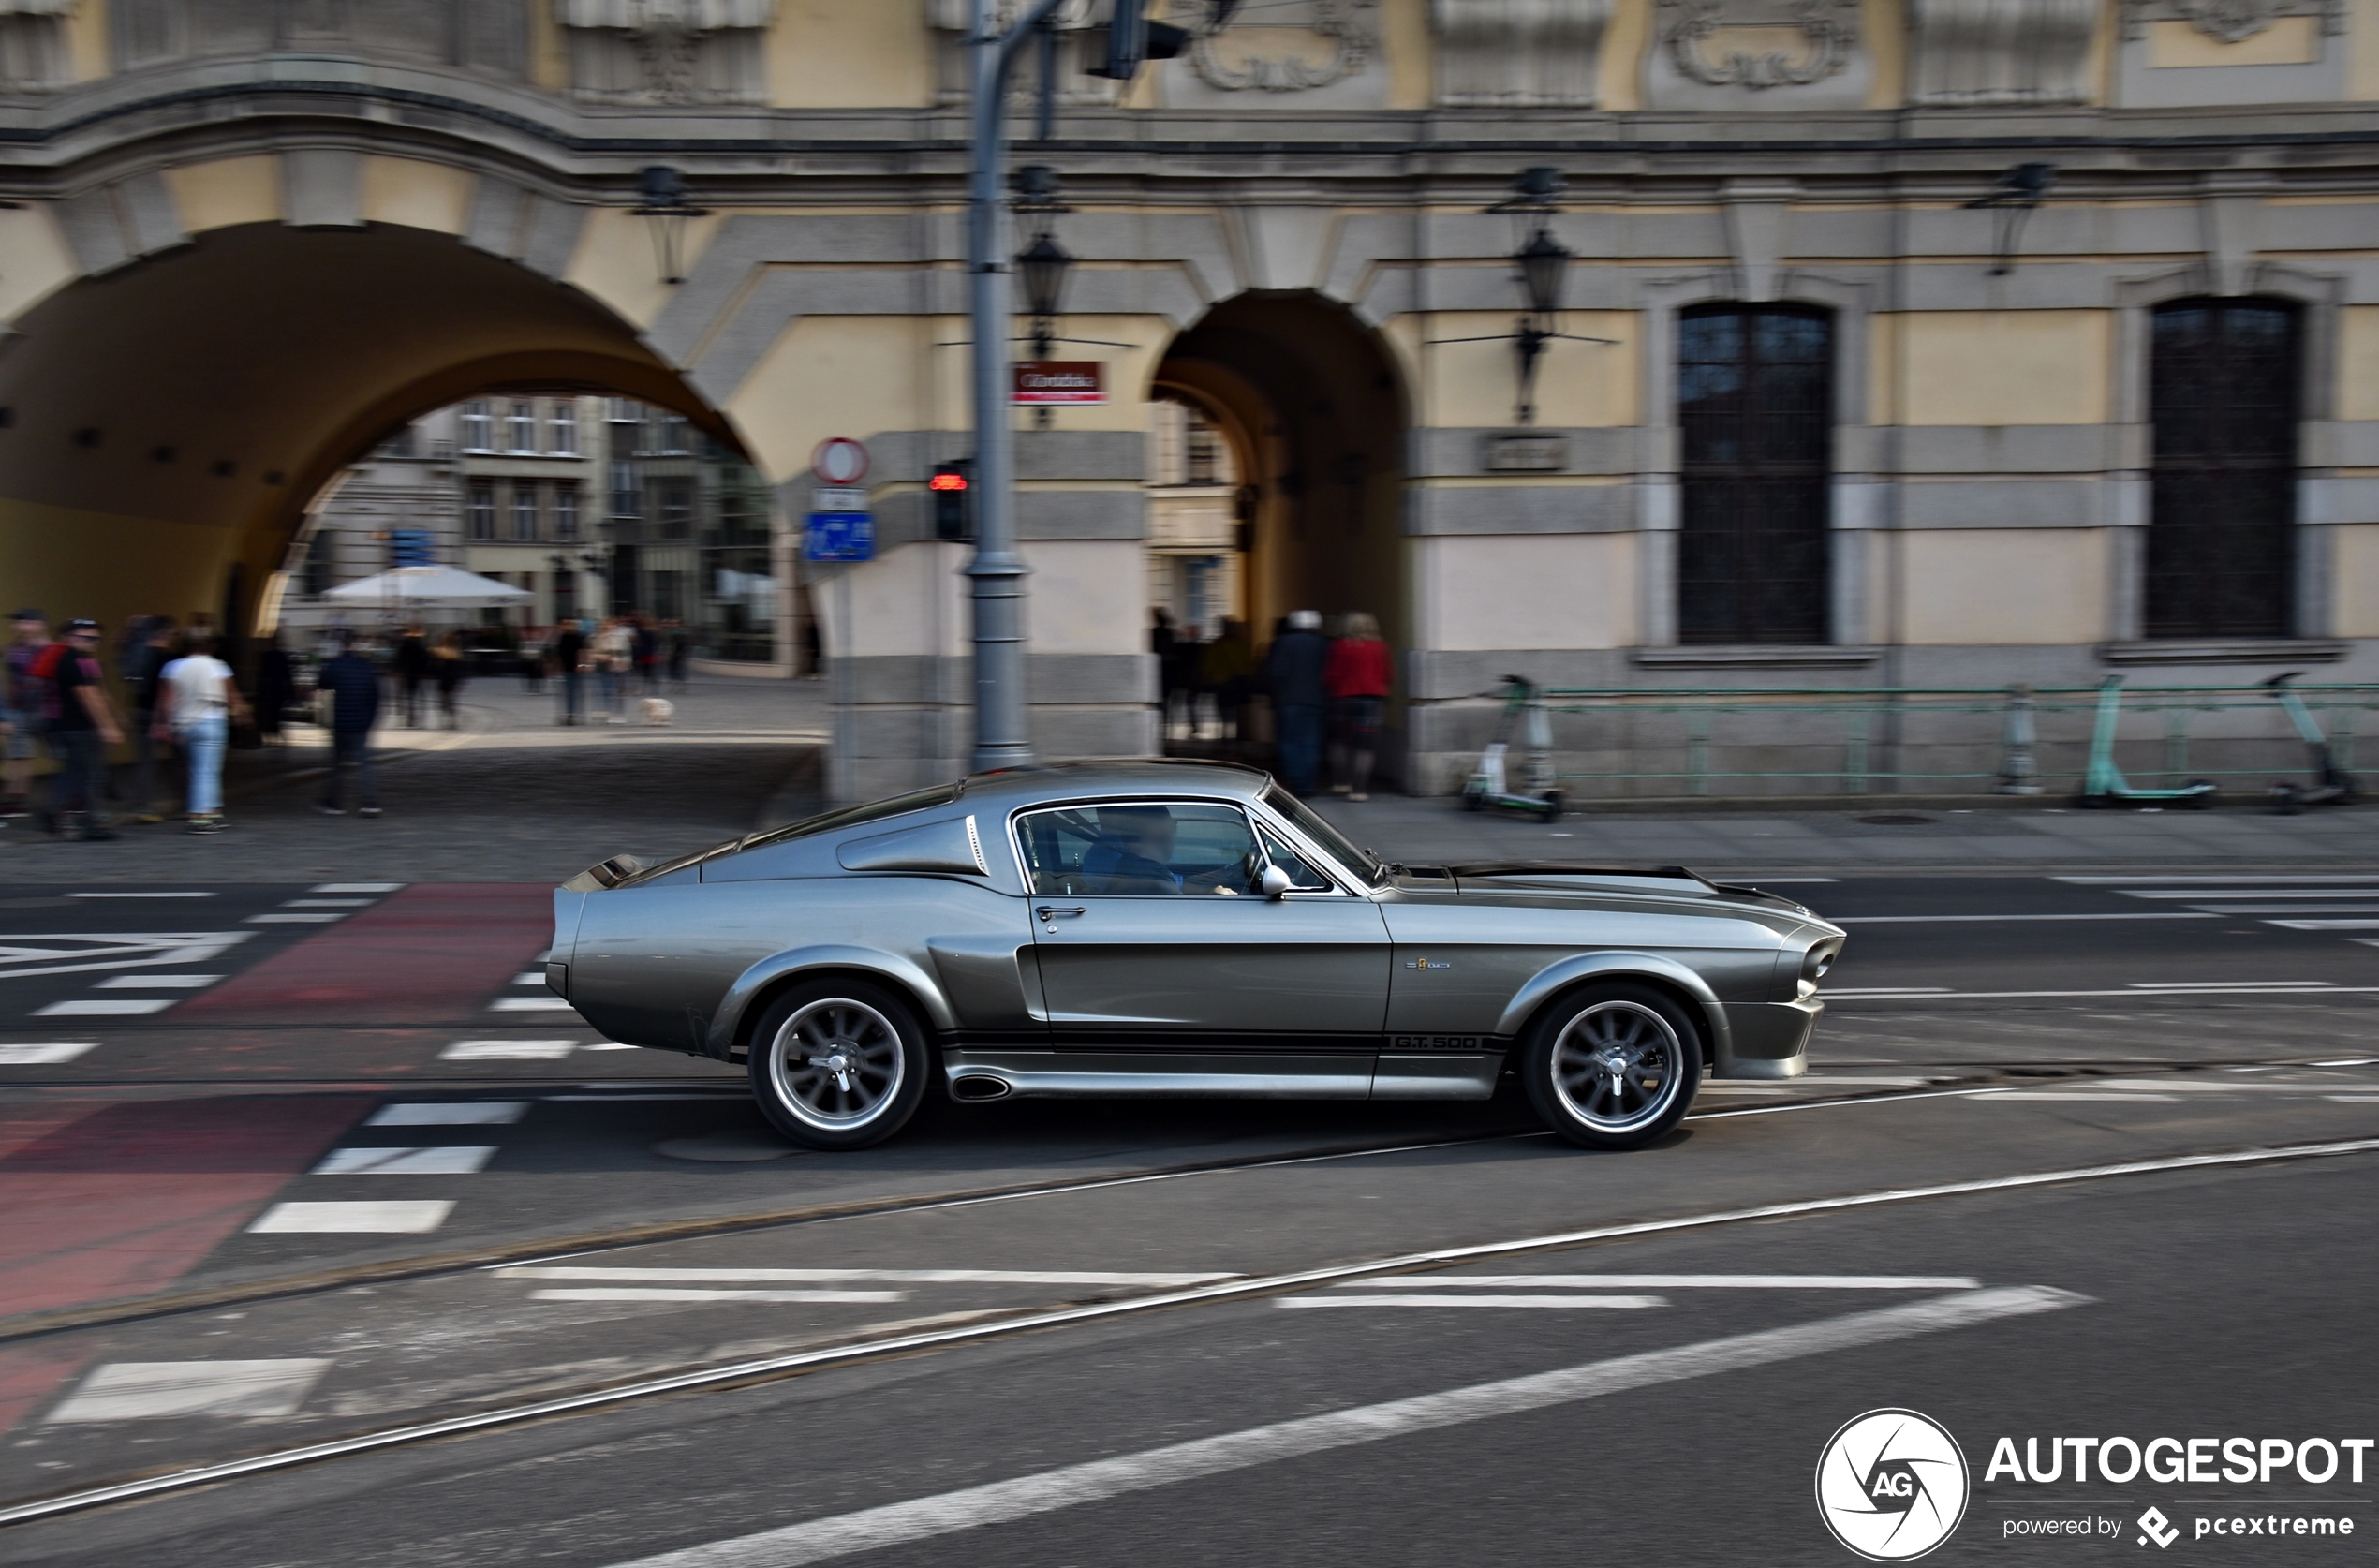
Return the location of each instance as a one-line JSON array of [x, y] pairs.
[[842, 535]]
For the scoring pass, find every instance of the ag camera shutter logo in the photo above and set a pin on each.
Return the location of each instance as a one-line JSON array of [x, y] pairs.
[[1891, 1484]]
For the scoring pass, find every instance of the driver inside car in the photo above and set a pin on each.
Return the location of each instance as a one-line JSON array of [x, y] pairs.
[[1134, 843]]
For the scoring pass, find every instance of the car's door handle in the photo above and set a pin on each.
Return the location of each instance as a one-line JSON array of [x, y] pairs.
[[1051, 911]]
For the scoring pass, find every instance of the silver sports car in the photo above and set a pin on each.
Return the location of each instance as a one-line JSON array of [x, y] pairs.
[[1178, 928]]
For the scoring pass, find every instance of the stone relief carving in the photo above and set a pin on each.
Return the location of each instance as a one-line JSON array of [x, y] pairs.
[[33, 45], [2229, 21], [1518, 53], [1295, 48], [667, 51], [2001, 51], [1074, 23], [1827, 29]]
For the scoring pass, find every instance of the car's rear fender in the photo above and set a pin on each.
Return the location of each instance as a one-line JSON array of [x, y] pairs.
[[1651, 967], [753, 988]]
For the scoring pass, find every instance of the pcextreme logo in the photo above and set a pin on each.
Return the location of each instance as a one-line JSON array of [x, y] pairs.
[[1891, 1484]]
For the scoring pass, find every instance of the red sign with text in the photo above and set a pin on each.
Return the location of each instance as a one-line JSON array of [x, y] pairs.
[[1043, 381]]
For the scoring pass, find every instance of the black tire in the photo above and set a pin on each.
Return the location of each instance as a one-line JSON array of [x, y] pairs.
[[858, 1067], [1612, 1066]]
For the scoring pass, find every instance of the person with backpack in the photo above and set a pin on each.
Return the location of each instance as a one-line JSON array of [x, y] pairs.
[[82, 725], [21, 713], [196, 703]]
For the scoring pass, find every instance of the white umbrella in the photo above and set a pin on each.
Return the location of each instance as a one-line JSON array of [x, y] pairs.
[[430, 585]]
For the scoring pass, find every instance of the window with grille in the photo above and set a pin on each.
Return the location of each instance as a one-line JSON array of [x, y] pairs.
[[626, 499], [673, 506], [479, 427], [524, 511], [2223, 393], [482, 510], [565, 512], [522, 427], [1755, 412], [562, 430]]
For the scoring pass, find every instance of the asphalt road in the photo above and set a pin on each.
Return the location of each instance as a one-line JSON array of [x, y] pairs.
[[2156, 1019]]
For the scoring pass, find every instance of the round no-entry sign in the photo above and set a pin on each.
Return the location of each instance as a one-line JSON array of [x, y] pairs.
[[840, 459]]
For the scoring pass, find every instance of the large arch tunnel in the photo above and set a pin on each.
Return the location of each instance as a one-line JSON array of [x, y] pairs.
[[166, 423]]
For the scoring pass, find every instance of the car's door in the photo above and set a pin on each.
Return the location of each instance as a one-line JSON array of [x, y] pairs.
[[1152, 931]]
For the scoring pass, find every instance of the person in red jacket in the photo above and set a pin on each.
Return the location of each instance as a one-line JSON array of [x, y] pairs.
[[1357, 677]]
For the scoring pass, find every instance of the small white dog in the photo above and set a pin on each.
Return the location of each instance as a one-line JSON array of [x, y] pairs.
[[658, 710]]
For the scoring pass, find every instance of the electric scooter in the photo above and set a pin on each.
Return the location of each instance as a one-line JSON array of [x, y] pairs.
[[2334, 786], [1488, 785], [2104, 784]]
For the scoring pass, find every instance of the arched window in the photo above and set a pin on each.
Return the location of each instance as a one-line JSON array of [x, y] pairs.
[[2223, 388], [1756, 415]]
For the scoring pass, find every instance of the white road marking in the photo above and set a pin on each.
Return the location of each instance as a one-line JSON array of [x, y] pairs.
[[529, 977], [48, 1054], [156, 982], [402, 1217], [2326, 925], [2224, 984], [293, 918], [358, 887], [2216, 879], [150, 1390], [2027, 919], [450, 1113], [664, 1293], [2365, 907], [2133, 992], [2354, 1099], [139, 895], [327, 903], [2351, 1061], [2026, 1096], [1616, 1303], [507, 1050], [111, 949], [530, 1004], [1000, 1501], [437, 1160], [104, 1007], [1686, 1282], [847, 1276], [2191, 1085], [2252, 892], [612, 1046]]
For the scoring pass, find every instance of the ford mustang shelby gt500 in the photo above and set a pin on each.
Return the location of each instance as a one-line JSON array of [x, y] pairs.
[[1178, 928]]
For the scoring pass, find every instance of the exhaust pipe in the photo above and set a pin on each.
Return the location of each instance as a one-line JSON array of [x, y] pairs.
[[979, 1086]]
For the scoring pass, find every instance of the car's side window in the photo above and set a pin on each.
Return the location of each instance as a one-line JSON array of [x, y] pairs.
[[1303, 876], [1141, 848]]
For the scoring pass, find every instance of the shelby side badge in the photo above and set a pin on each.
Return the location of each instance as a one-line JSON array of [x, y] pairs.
[[1891, 1484]]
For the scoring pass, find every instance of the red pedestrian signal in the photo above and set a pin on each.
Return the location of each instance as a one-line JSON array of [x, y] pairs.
[[954, 514]]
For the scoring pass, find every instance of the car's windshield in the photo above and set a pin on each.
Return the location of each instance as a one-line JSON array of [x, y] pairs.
[[853, 816], [1310, 823]]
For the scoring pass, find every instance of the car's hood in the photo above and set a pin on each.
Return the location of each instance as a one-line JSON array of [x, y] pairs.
[[1533, 880]]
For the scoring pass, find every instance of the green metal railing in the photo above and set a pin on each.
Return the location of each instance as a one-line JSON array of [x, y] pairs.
[[1871, 725]]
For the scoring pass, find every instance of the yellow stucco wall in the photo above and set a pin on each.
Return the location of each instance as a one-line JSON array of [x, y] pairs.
[[2005, 586], [1884, 23], [1463, 384], [835, 55], [1525, 591], [1088, 595], [46, 556], [1992, 367], [2362, 49], [37, 258], [87, 40], [2358, 363], [416, 193], [226, 191], [847, 376], [614, 261], [2355, 586], [1411, 62], [1622, 68], [2286, 41]]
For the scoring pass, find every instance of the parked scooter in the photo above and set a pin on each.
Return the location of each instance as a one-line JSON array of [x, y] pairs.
[[2104, 784], [1523, 708], [2333, 785]]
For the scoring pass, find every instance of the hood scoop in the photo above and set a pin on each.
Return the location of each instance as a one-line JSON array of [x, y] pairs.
[[1558, 877]]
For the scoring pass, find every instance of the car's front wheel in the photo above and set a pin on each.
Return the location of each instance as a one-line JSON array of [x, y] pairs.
[[1612, 1066], [839, 1064]]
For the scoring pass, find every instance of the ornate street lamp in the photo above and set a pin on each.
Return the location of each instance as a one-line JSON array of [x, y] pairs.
[[664, 205], [1544, 264], [2015, 198], [1042, 266]]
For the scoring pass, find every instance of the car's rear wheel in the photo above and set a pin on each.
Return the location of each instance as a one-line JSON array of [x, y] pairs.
[[1612, 1066], [838, 1064]]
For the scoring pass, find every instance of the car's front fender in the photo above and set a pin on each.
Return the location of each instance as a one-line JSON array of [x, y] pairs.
[[1564, 974], [727, 1023]]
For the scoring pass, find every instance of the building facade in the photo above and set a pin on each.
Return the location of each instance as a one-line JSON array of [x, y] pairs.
[[1881, 343]]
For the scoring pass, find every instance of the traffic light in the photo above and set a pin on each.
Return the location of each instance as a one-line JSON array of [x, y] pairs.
[[953, 488], [1133, 39]]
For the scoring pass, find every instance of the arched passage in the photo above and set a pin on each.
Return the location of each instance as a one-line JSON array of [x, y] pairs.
[[168, 423], [1316, 416]]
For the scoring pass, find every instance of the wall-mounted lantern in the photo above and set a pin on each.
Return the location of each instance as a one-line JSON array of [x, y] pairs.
[[663, 204], [1544, 267], [2011, 202], [1042, 265]]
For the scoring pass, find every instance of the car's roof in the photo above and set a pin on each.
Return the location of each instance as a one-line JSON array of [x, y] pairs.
[[1011, 787]]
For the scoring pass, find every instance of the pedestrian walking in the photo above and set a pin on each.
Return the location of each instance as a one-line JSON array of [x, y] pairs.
[[82, 725], [533, 654], [1294, 667], [275, 688], [22, 712], [680, 645], [197, 702], [1359, 676], [354, 686], [412, 663], [614, 652], [1228, 667], [570, 664], [142, 667], [448, 667], [648, 647]]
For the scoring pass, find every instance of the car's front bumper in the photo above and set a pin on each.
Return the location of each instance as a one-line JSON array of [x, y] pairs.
[[1770, 1040]]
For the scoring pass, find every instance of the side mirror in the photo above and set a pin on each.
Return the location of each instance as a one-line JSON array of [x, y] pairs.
[[1274, 882]]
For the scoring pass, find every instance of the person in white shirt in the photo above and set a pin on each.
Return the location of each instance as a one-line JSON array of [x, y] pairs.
[[196, 704]]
